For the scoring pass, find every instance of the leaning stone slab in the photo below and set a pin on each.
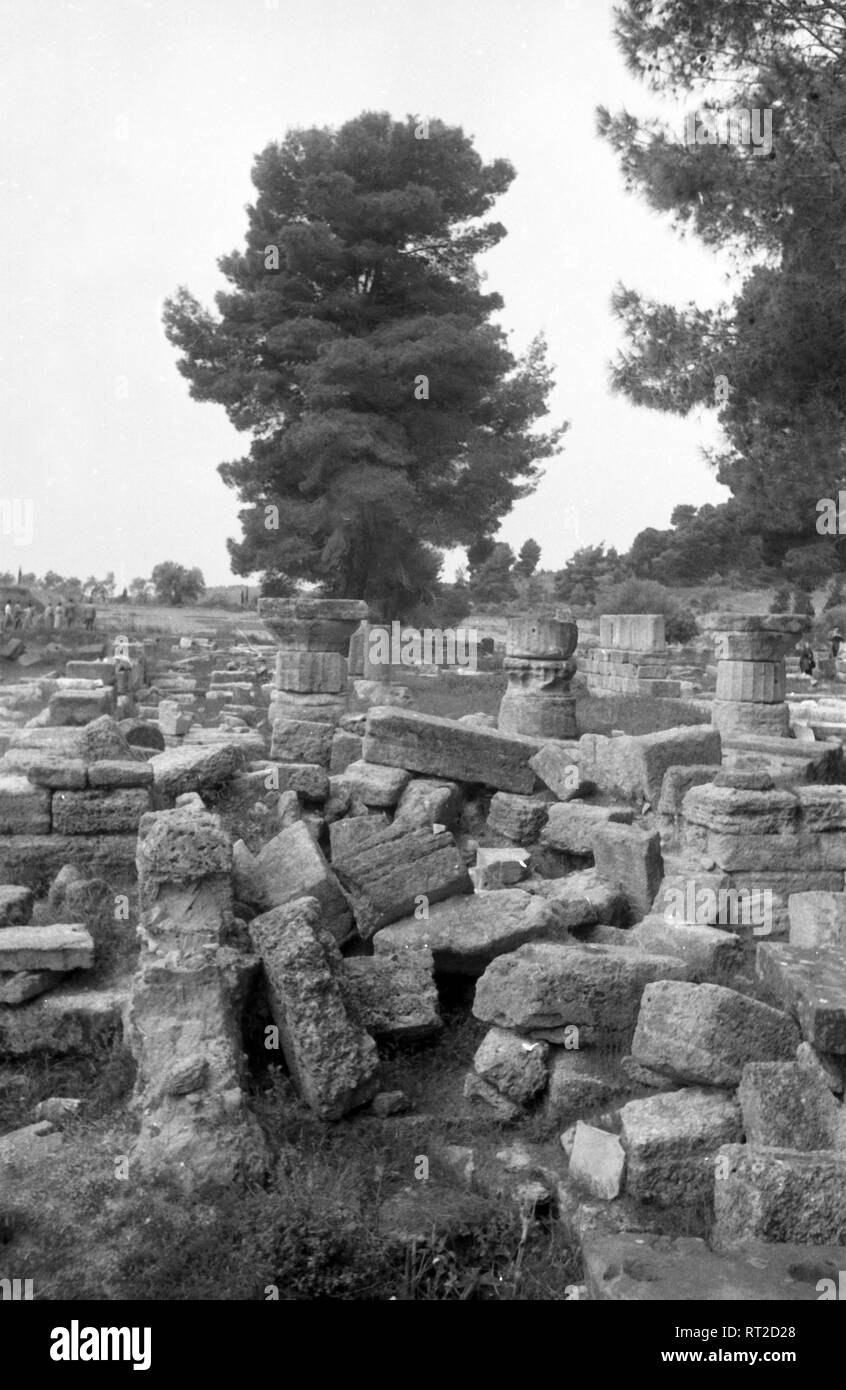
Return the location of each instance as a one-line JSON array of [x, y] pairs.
[[557, 765], [24, 808], [291, 866], [193, 769], [641, 1266], [787, 1106], [465, 934], [393, 996], [546, 988], [704, 1034], [779, 1195], [56, 947], [15, 905], [597, 1161], [388, 876], [634, 766], [333, 1061], [671, 1141], [445, 748], [96, 812], [812, 985]]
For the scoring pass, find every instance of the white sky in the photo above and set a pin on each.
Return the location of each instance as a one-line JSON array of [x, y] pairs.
[[129, 129]]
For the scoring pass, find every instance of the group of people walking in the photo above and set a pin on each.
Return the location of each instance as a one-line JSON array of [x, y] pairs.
[[61, 614]]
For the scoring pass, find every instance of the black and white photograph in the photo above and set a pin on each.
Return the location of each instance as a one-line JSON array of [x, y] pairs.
[[422, 584]]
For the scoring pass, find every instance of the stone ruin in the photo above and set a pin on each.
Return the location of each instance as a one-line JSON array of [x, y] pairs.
[[652, 929], [631, 658]]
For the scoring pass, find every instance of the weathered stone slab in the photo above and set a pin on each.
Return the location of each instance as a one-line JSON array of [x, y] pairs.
[[705, 1034], [72, 1019], [56, 947], [375, 785], [572, 826], [465, 934], [545, 988], [308, 780], [292, 866], [445, 748], [302, 741], [103, 671], [113, 772], [77, 707], [35, 860], [630, 859], [24, 808], [99, 812], [597, 1161], [709, 954], [787, 1106], [580, 1083], [45, 769], [517, 818], [392, 996], [354, 832], [811, 983], [641, 1266], [193, 769], [307, 672], [333, 1061], [346, 748], [389, 876], [779, 1195], [671, 1141], [428, 801], [516, 1066]]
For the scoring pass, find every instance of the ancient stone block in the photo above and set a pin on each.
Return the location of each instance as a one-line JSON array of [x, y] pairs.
[[18, 987], [99, 812], [386, 878], [333, 1061], [292, 866], [811, 983], [786, 1106], [113, 773], [301, 741], [517, 818], [572, 826], [24, 808], [778, 1195], [545, 988], [57, 947], [81, 706], [465, 934], [193, 769], [346, 749], [445, 748], [761, 681], [393, 995], [705, 1034], [516, 1066], [597, 1161], [308, 780], [671, 1141], [45, 769], [579, 1084], [311, 672], [630, 858], [428, 801], [371, 783]]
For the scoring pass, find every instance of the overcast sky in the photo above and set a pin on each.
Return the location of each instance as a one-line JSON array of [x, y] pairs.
[[129, 129]]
